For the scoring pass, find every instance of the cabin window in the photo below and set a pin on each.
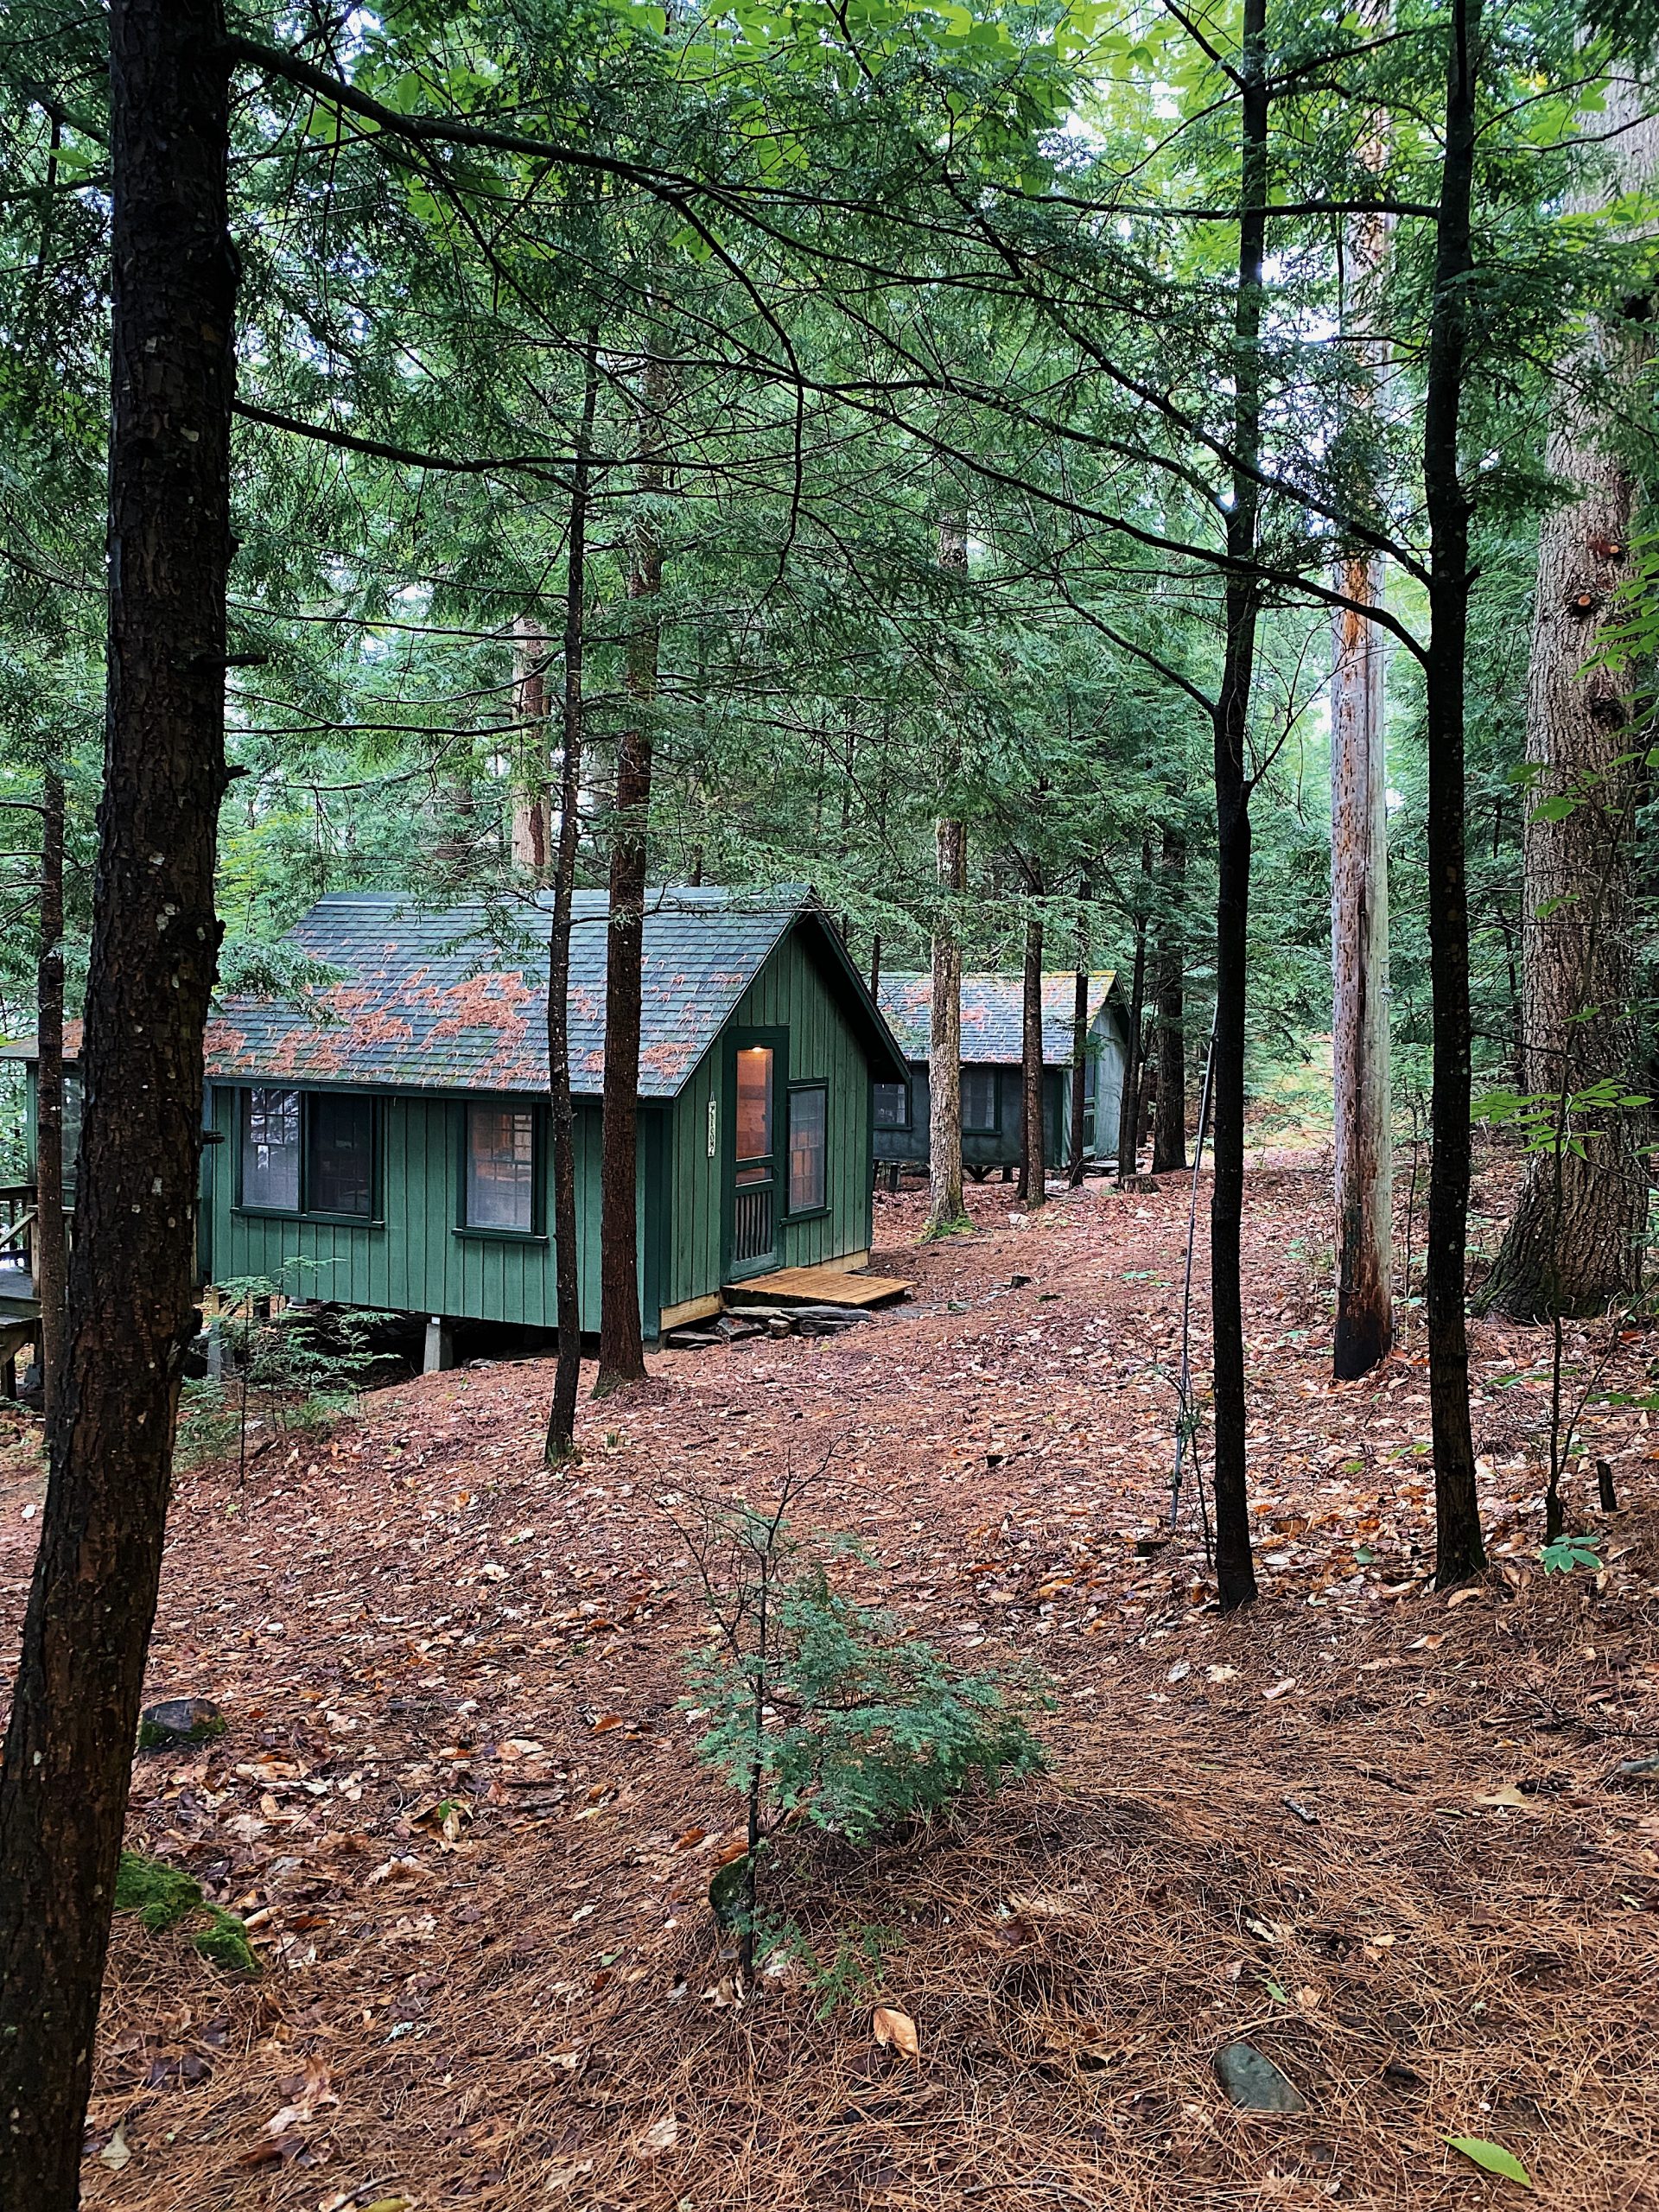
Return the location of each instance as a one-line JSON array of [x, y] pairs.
[[893, 1105], [339, 1167], [753, 1113], [809, 1125], [270, 1150], [501, 1168], [979, 1102]]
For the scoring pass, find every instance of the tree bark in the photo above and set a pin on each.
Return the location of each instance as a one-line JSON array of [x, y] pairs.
[[1234, 1568], [621, 1351], [567, 1374], [533, 842], [1034, 1164], [1080, 1040], [1169, 1129], [1460, 1551], [1128, 1104], [1363, 1098], [51, 1241], [1578, 1235], [63, 1791], [945, 1208]]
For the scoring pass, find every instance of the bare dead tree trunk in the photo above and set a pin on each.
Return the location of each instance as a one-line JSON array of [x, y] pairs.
[[63, 1788], [1235, 1567], [1080, 1040], [875, 965], [1128, 1104], [532, 803], [1169, 1129], [1033, 1164], [567, 1259], [1578, 1234], [51, 1241], [1459, 1550], [1364, 1100], [622, 1349]]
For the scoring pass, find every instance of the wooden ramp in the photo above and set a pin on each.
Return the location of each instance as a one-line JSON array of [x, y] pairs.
[[815, 1286]]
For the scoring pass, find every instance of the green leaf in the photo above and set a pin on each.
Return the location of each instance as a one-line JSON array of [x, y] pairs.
[[1554, 809], [1493, 2157]]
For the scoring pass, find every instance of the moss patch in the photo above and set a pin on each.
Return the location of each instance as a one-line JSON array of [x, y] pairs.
[[162, 1895]]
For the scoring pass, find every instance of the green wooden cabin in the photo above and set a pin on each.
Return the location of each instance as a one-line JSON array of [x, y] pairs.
[[993, 1047], [383, 1142]]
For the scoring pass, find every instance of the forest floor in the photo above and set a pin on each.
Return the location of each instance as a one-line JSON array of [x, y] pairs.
[[1376, 1832]]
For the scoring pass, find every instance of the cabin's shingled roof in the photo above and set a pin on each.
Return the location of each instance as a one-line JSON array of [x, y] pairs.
[[993, 1015], [443, 1002]]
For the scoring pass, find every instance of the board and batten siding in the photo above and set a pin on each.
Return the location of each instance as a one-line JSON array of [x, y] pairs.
[[415, 1259], [791, 993]]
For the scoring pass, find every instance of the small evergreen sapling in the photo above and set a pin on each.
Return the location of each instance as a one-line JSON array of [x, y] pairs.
[[820, 1708]]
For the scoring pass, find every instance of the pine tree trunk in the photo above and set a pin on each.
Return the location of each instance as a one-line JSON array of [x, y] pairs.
[[532, 843], [63, 1791], [946, 1208], [1363, 1098], [1234, 1568], [1576, 1239], [1169, 1129], [1034, 1164], [1129, 1103], [1459, 1550], [1359, 1000], [567, 1259], [1080, 1041], [621, 1351], [51, 1241]]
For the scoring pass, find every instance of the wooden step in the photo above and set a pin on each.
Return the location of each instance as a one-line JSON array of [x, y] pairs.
[[815, 1286]]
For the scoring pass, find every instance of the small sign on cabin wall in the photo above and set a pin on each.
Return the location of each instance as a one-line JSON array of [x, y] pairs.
[[713, 1128]]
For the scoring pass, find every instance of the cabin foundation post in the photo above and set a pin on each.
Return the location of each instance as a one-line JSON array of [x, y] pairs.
[[440, 1345]]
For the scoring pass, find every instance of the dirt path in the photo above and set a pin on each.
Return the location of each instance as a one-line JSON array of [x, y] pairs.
[[1370, 1831]]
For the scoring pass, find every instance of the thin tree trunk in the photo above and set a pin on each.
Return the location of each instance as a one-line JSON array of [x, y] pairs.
[[1169, 1130], [1080, 1040], [1460, 1553], [51, 1242], [621, 1351], [532, 844], [945, 1208], [63, 1790], [1578, 1235], [1234, 1568], [1129, 1103], [1034, 1164], [1364, 1105], [875, 965], [567, 1374]]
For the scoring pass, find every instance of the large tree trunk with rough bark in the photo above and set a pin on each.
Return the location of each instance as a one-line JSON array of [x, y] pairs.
[[63, 1792], [621, 1351], [1460, 1552], [1169, 1129], [1234, 1565], [945, 1208], [1363, 1098], [1034, 1164], [1578, 1236], [567, 1374], [51, 1241]]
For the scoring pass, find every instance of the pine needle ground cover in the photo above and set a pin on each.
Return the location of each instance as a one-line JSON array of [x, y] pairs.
[[1377, 1837]]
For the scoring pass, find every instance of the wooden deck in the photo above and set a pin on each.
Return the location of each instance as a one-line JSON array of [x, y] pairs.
[[815, 1286]]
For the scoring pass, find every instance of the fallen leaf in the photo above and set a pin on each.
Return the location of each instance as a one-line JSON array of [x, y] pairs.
[[1493, 2157], [1462, 1596], [662, 2135], [608, 1720], [116, 2153], [1508, 1795], [567, 2176], [890, 2026], [1220, 1674], [1280, 1689]]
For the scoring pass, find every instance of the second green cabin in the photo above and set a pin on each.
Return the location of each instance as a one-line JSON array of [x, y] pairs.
[[383, 1141]]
